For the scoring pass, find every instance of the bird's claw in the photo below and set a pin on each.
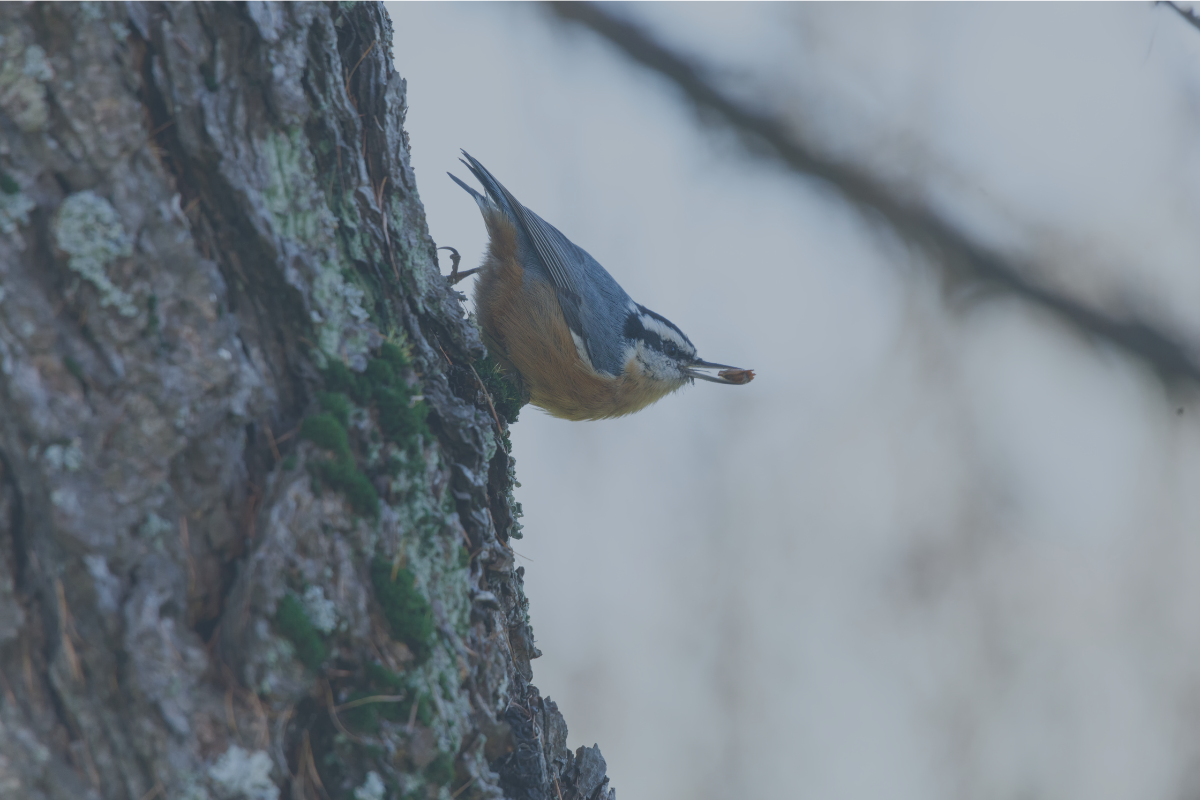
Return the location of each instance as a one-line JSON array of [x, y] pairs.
[[455, 276]]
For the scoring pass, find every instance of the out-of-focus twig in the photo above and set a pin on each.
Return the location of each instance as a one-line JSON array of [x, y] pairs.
[[1187, 13], [955, 250]]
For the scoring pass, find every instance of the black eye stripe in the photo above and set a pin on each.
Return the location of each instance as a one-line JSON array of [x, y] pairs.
[[633, 327], [635, 330]]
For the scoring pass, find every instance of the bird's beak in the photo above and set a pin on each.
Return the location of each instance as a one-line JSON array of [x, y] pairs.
[[731, 376]]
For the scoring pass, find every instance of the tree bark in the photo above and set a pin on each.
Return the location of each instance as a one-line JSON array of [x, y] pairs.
[[255, 501]]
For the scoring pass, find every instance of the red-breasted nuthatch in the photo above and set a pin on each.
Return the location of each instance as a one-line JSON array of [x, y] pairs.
[[563, 328]]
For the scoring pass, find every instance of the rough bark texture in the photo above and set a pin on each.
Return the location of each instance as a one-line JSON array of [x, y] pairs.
[[254, 504]]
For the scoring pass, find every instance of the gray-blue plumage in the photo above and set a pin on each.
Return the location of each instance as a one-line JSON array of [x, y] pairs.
[[594, 304]]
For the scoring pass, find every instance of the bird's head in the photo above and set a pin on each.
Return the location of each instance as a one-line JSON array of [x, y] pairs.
[[661, 352]]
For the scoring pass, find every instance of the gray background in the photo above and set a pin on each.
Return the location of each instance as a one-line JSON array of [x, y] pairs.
[[943, 546]]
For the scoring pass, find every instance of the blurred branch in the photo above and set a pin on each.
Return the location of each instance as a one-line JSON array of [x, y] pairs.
[[1187, 13], [954, 249]]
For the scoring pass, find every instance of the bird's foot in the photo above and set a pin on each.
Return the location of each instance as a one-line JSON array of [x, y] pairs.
[[455, 276]]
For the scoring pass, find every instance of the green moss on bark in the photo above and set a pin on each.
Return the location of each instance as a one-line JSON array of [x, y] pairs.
[[341, 473], [336, 404], [506, 395], [406, 609], [344, 476], [401, 412], [326, 432], [294, 624], [340, 378], [441, 770]]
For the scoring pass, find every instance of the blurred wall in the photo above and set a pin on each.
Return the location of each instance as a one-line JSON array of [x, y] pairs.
[[942, 547]]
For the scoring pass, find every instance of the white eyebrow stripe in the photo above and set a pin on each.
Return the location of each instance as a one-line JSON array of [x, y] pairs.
[[663, 331]]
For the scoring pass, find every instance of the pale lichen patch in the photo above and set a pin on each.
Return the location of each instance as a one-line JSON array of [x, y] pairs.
[[154, 528], [299, 212], [64, 457], [372, 788], [14, 212], [322, 612], [22, 73], [240, 774], [88, 229]]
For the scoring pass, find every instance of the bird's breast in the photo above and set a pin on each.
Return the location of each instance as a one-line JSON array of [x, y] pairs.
[[520, 314]]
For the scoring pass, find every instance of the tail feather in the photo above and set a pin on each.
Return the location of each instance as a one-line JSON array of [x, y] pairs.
[[499, 196], [480, 200], [546, 240]]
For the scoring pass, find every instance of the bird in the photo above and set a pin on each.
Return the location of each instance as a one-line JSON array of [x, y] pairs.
[[562, 328]]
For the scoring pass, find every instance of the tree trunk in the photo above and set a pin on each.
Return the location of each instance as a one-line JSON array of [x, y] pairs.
[[254, 498]]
